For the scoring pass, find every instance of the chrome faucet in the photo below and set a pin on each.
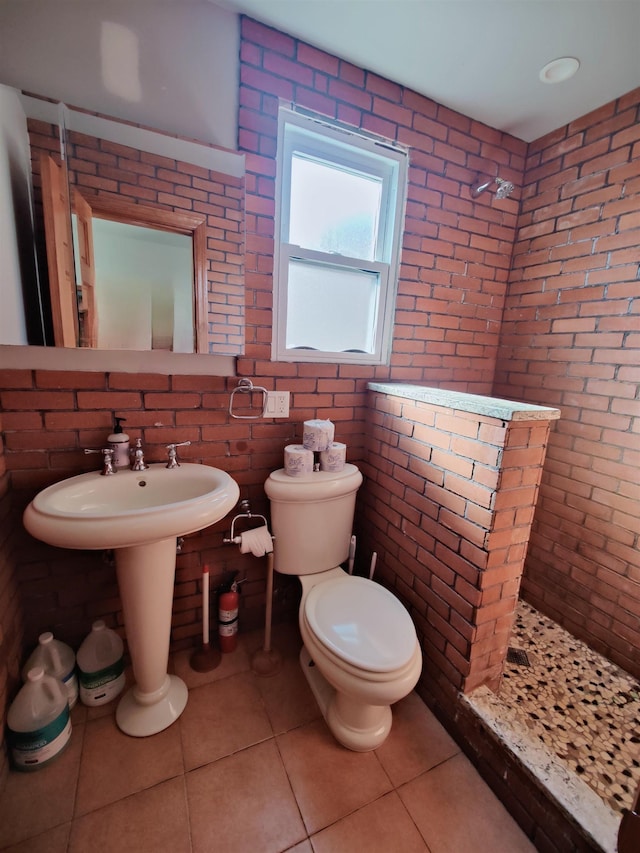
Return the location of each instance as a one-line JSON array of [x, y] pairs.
[[138, 463], [108, 466], [173, 456]]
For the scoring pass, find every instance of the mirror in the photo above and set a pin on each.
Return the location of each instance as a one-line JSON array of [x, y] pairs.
[[178, 285], [163, 304]]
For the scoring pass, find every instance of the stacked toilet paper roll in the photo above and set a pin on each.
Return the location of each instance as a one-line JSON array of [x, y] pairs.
[[318, 450], [317, 434], [334, 457], [298, 460]]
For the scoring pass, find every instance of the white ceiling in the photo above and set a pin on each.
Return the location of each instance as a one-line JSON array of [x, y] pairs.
[[480, 57]]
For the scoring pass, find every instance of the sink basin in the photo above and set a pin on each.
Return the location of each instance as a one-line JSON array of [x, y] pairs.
[[138, 514], [131, 507]]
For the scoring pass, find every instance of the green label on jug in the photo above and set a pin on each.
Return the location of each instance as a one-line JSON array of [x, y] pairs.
[[31, 748], [91, 680]]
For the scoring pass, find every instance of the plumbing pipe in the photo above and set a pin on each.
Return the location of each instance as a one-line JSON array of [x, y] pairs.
[[372, 567], [269, 605], [352, 554]]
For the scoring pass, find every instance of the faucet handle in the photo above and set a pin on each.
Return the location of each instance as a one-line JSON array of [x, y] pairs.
[[137, 452], [173, 456], [107, 453]]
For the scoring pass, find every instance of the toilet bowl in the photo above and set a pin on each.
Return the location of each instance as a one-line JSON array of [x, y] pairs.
[[360, 653], [360, 640]]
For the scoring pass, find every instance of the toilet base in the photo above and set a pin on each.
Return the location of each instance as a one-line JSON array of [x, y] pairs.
[[356, 725]]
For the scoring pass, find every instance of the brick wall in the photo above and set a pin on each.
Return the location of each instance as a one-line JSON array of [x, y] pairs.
[[447, 506], [11, 633], [50, 416], [456, 252], [571, 338], [98, 167]]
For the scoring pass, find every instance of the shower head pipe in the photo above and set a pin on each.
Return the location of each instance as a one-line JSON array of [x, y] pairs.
[[482, 183]]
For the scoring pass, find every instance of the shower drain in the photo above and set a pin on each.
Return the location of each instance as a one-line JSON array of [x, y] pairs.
[[518, 656]]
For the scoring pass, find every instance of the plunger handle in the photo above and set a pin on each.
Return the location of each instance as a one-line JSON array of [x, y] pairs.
[[205, 605]]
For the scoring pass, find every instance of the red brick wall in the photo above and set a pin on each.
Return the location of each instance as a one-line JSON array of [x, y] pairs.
[[11, 632], [50, 416], [447, 506], [571, 339], [456, 252], [98, 167]]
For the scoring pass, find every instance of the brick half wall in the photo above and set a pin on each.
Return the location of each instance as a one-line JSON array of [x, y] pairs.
[[447, 505]]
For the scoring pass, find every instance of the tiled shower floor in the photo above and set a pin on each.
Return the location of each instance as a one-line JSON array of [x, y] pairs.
[[579, 707]]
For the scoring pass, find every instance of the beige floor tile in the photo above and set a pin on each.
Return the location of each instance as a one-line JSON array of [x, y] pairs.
[[303, 847], [32, 803], [115, 765], [288, 697], [416, 742], [328, 780], [151, 821], [243, 803], [380, 827], [78, 714], [285, 638], [221, 718], [52, 841], [456, 812]]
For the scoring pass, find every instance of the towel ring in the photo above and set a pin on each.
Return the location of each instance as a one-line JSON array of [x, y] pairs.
[[246, 386]]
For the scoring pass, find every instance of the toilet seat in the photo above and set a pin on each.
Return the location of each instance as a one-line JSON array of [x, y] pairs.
[[362, 623]]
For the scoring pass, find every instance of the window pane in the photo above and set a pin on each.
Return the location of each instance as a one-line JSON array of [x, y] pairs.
[[333, 209], [330, 308]]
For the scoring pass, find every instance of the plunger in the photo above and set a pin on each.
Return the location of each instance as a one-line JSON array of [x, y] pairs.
[[267, 661], [206, 658]]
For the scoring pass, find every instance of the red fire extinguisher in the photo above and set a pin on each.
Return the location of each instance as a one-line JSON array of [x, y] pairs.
[[228, 618]]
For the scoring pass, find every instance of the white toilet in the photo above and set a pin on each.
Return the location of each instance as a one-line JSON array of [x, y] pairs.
[[360, 652]]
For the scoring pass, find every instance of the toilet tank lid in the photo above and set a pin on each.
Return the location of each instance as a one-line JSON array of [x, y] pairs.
[[319, 485], [362, 622]]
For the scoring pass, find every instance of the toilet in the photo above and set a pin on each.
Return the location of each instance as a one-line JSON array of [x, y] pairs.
[[360, 653]]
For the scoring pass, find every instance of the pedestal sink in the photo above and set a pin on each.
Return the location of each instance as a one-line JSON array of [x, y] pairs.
[[138, 514]]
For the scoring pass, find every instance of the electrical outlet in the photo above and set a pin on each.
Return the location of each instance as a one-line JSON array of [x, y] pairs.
[[277, 404]]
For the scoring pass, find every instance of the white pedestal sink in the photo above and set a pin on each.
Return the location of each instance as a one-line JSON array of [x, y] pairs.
[[139, 514]]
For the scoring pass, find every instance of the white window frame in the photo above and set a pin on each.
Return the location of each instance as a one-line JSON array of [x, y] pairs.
[[303, 133]]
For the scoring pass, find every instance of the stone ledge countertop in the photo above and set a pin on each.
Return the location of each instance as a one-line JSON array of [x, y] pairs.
[[492, 407]]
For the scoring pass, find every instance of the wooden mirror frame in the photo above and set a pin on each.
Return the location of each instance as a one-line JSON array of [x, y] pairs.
[[59, 241]]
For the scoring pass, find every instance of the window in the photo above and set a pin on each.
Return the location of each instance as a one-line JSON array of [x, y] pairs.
[[340, 205]]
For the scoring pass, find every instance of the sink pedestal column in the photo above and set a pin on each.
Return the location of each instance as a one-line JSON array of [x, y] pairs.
[[146, 578]]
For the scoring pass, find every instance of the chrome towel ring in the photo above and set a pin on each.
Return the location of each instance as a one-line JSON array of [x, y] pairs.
[[246, 386]]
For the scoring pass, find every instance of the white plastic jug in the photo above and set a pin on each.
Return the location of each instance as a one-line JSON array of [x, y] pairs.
[[38, 723], [57, 659], [100, 665]]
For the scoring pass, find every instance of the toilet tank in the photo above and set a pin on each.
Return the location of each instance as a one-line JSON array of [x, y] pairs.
[[312, 518]]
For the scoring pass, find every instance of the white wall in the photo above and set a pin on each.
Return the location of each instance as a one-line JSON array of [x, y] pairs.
[[15, 221], [168, 64]]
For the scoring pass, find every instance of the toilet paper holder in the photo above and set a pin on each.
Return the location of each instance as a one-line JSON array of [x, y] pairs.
[[246, 386], [246, 513]]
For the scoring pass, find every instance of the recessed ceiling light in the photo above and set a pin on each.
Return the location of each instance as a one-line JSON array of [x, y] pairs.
[[559, 70]]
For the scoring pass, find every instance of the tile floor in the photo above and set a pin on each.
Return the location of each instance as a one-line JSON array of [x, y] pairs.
[[251, 768]]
